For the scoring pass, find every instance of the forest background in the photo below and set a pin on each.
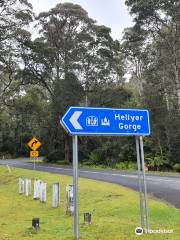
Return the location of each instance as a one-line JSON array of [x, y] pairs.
[[75, 62]]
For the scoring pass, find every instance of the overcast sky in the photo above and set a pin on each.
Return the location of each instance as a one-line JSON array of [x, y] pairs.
[[111, 13]]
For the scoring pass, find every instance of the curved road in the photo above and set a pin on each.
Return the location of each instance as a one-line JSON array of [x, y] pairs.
[[166, 188]]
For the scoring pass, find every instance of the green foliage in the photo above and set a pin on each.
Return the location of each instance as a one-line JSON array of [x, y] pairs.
[[176, 167], [13, 24], [75, 61], [97, 157], [126, 166], [55, 156], [153, 50], [22, 121], [156, 164], [109, 151]]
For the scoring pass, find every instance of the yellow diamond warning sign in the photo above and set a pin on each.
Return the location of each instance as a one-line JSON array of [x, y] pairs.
[[34, 144], [34, 153]]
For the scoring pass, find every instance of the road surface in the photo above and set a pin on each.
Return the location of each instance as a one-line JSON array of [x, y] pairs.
[[166, 188]]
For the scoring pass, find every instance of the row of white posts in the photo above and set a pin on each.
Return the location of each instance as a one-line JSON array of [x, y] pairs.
[[40, 193]]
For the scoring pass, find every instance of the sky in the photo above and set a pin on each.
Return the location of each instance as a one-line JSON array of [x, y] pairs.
[[111, 13]]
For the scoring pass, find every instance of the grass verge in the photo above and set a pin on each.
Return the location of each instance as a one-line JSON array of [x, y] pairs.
[[115, 211]]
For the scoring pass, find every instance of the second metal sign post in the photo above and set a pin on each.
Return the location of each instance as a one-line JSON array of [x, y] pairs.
[[75, 186]]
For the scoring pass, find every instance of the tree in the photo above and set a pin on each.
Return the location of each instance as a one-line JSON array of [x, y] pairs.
[[15, 16], [161, 18], [154, 43], [70, 60], [135, 53], [26, 118]]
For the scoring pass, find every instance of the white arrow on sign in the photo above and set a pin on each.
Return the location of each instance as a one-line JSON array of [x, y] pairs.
[[74, 120]]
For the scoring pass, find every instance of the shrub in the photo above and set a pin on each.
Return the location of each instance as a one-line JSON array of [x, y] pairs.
[[176, 167], [97, 156], [55, 156], [157, 163], [126, 166]]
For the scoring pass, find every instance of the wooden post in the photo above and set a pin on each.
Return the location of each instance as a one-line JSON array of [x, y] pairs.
[[56, 195], [28, 187], [87, 218], [69, 200], [36, 189], [43, 186], [21, 185]]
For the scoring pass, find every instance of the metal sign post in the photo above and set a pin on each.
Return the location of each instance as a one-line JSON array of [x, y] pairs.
[[34, 155], [144, 181], [75, 186], [140, 182], [34, 163]]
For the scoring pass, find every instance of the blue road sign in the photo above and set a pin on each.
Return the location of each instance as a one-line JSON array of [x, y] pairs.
[[106, 121]]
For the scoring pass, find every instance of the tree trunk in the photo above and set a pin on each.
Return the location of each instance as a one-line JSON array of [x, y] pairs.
[[67, 148], [177, 81], [139, 77], [178, 95]]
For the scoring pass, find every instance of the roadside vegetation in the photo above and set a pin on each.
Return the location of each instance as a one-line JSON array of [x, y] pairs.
[[74, 61], [115, 211], [124, 166]]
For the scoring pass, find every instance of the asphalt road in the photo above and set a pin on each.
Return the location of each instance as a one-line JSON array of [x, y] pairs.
[[166, 188]]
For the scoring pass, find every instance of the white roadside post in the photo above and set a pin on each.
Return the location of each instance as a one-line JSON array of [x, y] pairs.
[[36, 188], [21, 185], [69, 200], [43, 186], [9, 169], [28, 187], [56, 195]]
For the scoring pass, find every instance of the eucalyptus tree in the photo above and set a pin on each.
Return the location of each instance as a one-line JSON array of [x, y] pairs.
[[102, 63], [72, 56], [156, 41], [135, 52], [15, 16], [161, 18]]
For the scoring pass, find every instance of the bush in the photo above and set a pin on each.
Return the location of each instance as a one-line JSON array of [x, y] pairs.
[[6, 155], [97, 156], [55, 156], [176, 167], [156, 163], [63, 162], [132, 166], [126, 166]]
